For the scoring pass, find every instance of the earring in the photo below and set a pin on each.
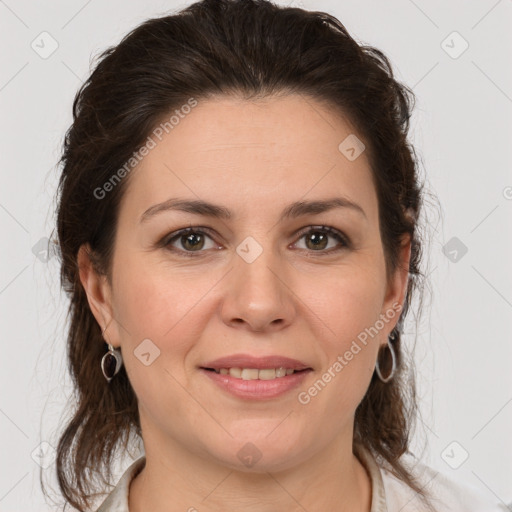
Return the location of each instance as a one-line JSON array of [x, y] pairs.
[[393, 358], [111, 362]]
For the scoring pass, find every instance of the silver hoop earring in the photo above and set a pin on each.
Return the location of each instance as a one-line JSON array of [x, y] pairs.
[[393, 365], [111, 362]]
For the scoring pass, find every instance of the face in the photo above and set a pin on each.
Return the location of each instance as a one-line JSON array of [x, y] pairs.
[[308, 285]]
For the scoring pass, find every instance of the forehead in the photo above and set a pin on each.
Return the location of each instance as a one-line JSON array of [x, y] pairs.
[[252, 152]]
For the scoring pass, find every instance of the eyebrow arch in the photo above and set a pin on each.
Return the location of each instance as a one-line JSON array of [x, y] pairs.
[[294, 210]]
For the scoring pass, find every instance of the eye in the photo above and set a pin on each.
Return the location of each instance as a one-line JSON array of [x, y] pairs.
[[191, 240], [317, 239]]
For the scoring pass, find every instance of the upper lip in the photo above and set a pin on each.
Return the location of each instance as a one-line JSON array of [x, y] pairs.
[[262, 362]]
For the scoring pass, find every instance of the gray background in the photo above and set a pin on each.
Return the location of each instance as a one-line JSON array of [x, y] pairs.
[[462, 130]]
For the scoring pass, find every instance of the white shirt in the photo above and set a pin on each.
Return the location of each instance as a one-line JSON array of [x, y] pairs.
[[389, 494]]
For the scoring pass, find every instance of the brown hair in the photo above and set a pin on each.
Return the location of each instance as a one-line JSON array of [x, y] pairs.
[[254, 49]]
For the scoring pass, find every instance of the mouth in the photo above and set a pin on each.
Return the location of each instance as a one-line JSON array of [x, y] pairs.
[[250, 377], [256, 383]]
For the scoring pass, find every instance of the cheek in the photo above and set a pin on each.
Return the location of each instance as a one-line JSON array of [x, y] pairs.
[[158, 320], [150, 302], [350, 302], [350, 308], [170, 311]]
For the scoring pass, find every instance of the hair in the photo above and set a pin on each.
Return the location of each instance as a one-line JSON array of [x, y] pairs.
[[254, 50]]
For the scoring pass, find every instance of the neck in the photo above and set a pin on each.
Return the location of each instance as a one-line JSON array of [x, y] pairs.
[[177, 480]]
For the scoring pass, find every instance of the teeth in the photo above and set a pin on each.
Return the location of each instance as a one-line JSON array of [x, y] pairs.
[[266, 374], [254, 373], [235, 372], [250, 374]]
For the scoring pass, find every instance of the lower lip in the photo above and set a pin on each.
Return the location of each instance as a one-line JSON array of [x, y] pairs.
[[257, 389]]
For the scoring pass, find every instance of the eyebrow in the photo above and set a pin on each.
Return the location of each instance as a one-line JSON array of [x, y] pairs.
[[294, 210]]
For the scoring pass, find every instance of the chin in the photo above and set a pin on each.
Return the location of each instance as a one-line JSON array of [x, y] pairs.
[[260, 453]]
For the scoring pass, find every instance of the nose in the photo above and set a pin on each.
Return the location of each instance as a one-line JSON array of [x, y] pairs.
[[257, 296]]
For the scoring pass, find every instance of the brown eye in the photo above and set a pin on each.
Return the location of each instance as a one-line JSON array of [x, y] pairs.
[[188, 241], [192, 241], [317, 239]]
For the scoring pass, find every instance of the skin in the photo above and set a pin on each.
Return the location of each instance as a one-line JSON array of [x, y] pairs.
[[255, 158]]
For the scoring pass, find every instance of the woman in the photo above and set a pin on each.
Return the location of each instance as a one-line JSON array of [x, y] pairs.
[[238, 227]]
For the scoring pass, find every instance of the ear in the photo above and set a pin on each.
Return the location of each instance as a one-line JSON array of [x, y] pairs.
[[397, 287], [99, 294]]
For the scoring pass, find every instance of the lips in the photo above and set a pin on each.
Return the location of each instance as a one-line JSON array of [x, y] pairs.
[[256, 388], [259, 363]]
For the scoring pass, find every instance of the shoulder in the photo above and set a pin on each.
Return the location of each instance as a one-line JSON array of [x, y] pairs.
[[447, 493], [117, 500]]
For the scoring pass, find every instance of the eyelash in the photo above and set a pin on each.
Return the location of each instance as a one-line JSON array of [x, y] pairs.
[[167, 240]]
